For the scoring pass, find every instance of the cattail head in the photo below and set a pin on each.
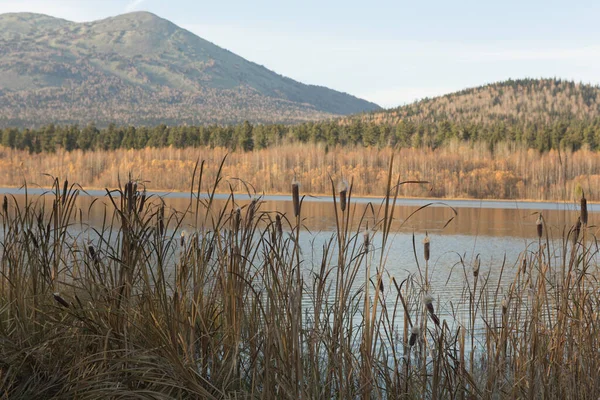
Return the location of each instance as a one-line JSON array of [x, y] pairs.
[[278, 225], [343, 189], [142, 202], [93, 254], [60, 300], [161, 219], [415, 332], [237, 218], [539, 225], [252, 209], [367, 238], [5, 205], [476, 266], [428, 302], [182, 239], [426, 247], [504, 306], [64, 194], [296, 197], [576, 230], [584, 211]]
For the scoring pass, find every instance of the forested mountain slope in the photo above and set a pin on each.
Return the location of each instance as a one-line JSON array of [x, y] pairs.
[[139, 69]]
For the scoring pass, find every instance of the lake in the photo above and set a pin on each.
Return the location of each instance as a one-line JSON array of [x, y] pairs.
[[500, 232]]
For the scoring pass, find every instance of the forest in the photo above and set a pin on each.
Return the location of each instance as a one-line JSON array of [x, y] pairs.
[[543, 136], [540, 114]]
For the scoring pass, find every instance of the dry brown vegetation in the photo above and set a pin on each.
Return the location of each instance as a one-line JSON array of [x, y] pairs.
[[458, 170], [234, 309]]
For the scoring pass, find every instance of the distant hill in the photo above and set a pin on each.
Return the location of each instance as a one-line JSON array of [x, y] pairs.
[[512, 101], [140, 69]]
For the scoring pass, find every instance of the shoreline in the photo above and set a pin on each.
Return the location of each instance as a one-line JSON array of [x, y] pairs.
[[98, 192]]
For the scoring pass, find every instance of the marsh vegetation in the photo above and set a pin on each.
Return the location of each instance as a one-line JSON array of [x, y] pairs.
[[234, 309]]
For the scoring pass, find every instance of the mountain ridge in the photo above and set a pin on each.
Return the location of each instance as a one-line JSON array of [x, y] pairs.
[[523, 100], [166, 74]]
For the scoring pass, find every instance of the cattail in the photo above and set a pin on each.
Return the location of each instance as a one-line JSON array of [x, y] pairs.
[[367, 239], [428, 301], [252, 209], [129, 195], [381, 287], [415, 332], [343, 189], [60, 300], [64, 196], [5, 205], [278, 225], [237, 219], [161, 220], [539, 225], [504, 306], [476, 266], [142, 201], [92, 252], [33, 240], [576, 230], [182, 239], [426, 247], [524, 266], [296, 197], [584, 211]]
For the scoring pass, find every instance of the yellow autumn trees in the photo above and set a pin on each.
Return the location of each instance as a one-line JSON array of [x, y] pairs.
[[457, 170]]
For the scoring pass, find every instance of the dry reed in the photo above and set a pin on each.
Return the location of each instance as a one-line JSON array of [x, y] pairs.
[[233, 309]]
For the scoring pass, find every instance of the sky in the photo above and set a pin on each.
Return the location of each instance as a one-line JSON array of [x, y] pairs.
[[388, 52]]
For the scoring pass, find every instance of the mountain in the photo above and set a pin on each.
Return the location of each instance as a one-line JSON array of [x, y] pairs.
[[513, 101], [140, 69]]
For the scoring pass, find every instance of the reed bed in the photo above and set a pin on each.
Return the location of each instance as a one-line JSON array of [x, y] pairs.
[[148, 305]]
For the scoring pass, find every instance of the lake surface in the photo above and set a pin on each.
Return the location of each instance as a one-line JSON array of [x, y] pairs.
[[500, 232]]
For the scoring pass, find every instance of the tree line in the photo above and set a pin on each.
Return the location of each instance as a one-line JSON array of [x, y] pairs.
[[458, 170], [569, 134]]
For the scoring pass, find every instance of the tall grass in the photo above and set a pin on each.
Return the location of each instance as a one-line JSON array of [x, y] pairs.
[[150, 305]]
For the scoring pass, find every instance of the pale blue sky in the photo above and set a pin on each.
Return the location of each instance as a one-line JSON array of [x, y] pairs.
[[389, 52]]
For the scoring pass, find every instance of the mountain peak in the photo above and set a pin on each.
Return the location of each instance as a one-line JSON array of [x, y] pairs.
[[136, 20], [139, 68]]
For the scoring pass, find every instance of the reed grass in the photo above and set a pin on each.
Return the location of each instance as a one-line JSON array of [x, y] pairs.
[[233, 308]]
